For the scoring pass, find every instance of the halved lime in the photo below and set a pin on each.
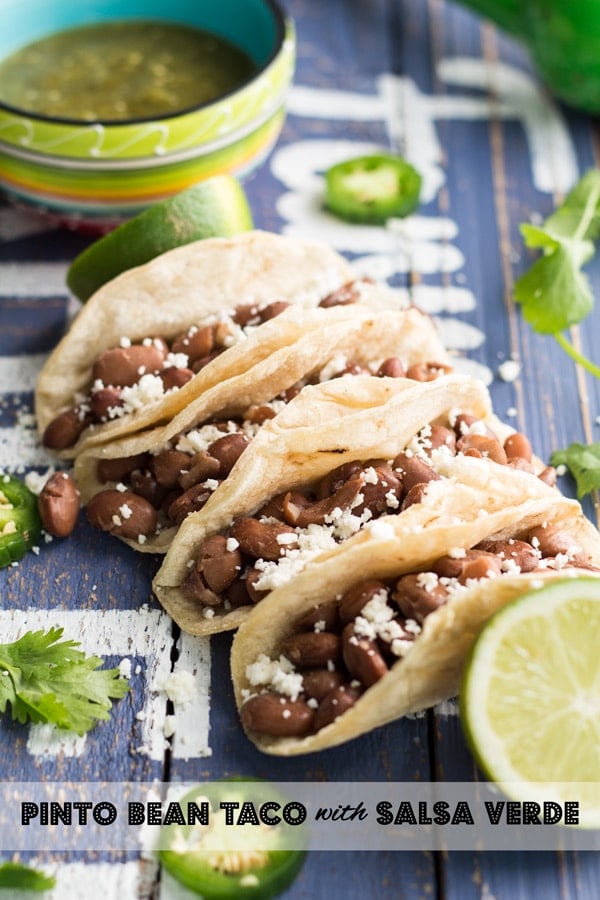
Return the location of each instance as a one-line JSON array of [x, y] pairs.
[[217, 207], [530, 701]]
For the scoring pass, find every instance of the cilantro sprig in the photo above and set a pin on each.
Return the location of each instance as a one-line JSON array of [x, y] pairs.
[[46, 679], [555, 294], [17, 876]]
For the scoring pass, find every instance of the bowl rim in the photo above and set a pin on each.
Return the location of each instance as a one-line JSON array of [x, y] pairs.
[[280, 19]]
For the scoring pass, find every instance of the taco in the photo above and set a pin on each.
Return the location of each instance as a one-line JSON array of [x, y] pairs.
[[143, 486], [381, 626], [336, 459], [157, 336]]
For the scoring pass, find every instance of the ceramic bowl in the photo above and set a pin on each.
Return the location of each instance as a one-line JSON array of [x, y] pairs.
[[97, 174]]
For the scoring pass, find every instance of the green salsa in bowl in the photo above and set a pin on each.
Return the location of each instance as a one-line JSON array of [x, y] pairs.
[[108, 106]]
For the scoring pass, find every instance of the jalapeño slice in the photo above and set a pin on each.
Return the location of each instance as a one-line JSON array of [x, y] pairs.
[[221, 861], [20, 525], [372, 189]]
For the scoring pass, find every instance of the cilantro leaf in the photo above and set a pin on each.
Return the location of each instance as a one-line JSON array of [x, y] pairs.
[[583, 461], [44, 679], [555, 293], [24, 878], [582, 202]]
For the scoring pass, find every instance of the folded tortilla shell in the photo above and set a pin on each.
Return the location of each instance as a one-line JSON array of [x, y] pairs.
[[431, 671], [166, 296], [315, 337], [354, 418]]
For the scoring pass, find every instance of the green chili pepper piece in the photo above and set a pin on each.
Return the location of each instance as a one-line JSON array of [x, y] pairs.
[[20, 525], [372, 189]]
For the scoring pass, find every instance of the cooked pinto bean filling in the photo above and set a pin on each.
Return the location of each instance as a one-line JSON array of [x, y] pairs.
[[258, 553], [130, 376], [338, 650], [162, 489]]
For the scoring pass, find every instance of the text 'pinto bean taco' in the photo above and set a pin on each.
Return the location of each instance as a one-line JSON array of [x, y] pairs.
[[335, 460], [381, 626]]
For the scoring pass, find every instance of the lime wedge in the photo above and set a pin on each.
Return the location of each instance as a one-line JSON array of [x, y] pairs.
[[530, 702], [217, 207]]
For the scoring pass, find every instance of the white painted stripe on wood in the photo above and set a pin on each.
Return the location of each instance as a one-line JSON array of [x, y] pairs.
[[191, 736], [18, 223], [20, 373], [97, 881], [33, 279], [128, 633]]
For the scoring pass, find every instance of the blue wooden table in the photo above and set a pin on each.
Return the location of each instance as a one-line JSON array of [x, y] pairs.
[[431, 81]]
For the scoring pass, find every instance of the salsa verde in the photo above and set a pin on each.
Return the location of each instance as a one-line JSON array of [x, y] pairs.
[[130, 69]]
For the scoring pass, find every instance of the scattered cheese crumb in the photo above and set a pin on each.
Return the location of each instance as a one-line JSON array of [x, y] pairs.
[[509, 370]]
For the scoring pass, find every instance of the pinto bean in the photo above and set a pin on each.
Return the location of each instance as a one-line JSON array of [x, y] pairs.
[[104, 401], [190, 501], [344, 295], [296, 512], [246, 314], [202, 467], [415, 495], [484, 566], [414, 470], [335, 704], [195, 343], [551, 541], [168, 465], [465, 421], [145, 484], [271, 310], [58, 505], [263, 540], [440, 437], [317, 683], [227, 450], [65, 429], [376, 495], [271, 714], [259, 414], [453, 566], [175, 377], [520, 553], [123, 513], [194, 588], [362, 657], [487, 446], [518, 444], [312, 649], [218, 564], [118, 469], [250, 579], [124, 366], [325, 615], [393, 367], [427, 371], [357, 597], [336, 478], [548, 476], [416, 601]]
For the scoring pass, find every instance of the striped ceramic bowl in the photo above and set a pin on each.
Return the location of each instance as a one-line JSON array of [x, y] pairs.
[[96, 174]]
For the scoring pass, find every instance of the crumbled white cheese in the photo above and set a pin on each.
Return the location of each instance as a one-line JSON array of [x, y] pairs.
[[201, 438], [125, 668], [169, 726], [278, 674], [35, 481], [427, 580], [126, 511], [509, 370], [457, 553], [177, 361], [179, 687], [391, 500], [231, 544], [149, 389], [370, 476]]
